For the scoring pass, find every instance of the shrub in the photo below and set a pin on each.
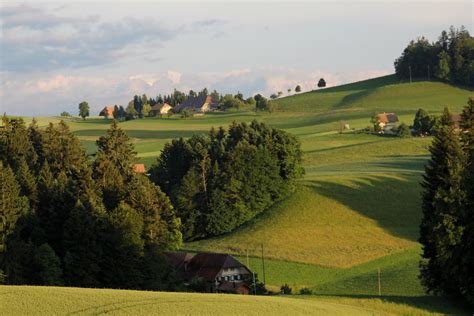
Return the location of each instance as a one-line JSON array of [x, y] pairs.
[[186, 113], [305, 291], [403, 130], [285, 289]]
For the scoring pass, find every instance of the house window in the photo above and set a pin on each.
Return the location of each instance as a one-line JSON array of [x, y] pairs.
[[227, 278], [238, 276]]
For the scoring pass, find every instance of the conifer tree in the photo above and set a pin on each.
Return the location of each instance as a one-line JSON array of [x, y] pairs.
[[441, 227], [161, 226], [466, 252], [48, 266], [15, 145], [83, 239], [113, 166], [12, 204], [27, 182], [36, 139], [123, 249]]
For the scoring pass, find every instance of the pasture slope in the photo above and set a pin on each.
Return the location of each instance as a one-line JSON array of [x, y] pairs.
[[357, 209], [30, 300]]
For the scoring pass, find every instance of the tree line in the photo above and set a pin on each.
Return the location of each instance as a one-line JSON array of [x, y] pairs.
[[70, 220], [447, 228], [449, 59], [221, 180], [141, 106]]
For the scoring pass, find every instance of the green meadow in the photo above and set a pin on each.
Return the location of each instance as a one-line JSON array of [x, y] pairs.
[[32, 300], [356, 210]]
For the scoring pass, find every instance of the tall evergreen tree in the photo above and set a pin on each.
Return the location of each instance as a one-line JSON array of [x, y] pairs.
[[15, 145], [441, 228], [466, 252], [113, 166], [123, 249], [47, 266], [12, 204], [27, 181], [83, 238]]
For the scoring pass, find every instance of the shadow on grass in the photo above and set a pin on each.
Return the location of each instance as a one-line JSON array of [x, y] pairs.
[[393, 202], [433, 304], [403, 162], [144, 134]]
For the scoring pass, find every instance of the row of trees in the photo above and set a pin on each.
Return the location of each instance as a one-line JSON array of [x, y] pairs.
[[68, 220], [221, 180], [450, 59], [447, 228]]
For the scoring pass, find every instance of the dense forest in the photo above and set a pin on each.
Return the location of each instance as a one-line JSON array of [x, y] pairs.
[[91, 221], [449, 59], [447, 228], [68, 220], [223, 179]]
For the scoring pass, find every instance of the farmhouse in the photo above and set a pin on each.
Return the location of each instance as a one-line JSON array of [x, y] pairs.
[[139, 168], [222, 272], [199, 104], [387, 121], [161, 108], [108, 112]]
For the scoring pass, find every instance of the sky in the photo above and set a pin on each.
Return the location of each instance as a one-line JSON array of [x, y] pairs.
[[53, 55]]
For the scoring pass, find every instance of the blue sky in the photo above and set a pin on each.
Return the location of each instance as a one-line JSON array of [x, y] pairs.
[[53, 55]]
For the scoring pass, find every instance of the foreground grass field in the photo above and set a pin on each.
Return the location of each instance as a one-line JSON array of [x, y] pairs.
[[24, 300], [357, 209]]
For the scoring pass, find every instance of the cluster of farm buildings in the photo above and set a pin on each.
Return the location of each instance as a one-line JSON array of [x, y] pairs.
[[194, 104]]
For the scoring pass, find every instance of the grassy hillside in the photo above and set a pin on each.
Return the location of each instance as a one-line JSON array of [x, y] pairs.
[[24, 300], [357, 208]]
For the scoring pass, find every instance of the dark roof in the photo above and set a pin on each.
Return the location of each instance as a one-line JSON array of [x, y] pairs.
[[208, 265], [193, 103], [177, 259], [204, 265]]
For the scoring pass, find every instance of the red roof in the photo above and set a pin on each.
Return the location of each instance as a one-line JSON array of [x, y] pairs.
[[139, 168], [108, 111], [387, 118]]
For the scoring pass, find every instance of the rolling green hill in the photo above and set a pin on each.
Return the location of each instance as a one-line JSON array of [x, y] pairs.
[[357, 208]]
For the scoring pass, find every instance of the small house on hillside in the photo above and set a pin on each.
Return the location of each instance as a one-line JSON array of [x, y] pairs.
[[198, 104], [139, 168], [387, 121], [108, 112], [161, 108], [222, 272]]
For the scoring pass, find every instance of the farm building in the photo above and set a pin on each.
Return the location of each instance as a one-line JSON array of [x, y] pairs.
[[222, 272], [161, 108], [387, 121], [108, 112], [199, 104], [139, 168]]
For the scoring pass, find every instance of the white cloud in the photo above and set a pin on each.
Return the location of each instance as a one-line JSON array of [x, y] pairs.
[[174, 76], [54, 93]]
